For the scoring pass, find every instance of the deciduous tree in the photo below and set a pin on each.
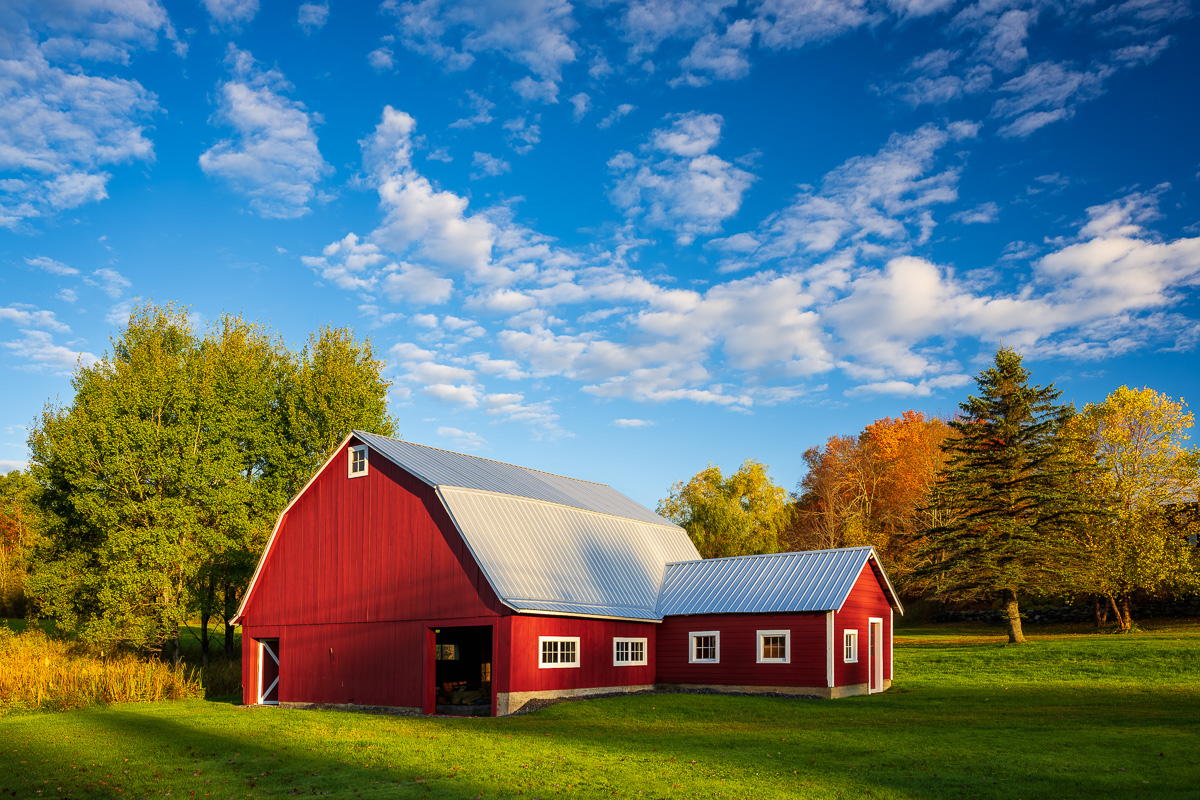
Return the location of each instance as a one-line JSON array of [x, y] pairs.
[[734, 516]]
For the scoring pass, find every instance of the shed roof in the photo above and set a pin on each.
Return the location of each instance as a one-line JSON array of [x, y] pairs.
[[546, 543], [813, 580]]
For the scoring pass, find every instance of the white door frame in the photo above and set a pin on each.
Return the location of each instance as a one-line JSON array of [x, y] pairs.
[[875, 655], [264, 647]]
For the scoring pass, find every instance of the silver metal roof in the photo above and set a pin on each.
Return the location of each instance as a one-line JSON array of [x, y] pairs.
[[540, 556], [443, 468], [814, 580]]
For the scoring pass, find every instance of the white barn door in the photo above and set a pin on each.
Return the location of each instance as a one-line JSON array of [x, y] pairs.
[[268, 671]]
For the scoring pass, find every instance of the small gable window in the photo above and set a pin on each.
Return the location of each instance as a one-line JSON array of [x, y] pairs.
[[629, 652], [558, 652], [850, 645], [705, 647], [774, 647], [357, 464]]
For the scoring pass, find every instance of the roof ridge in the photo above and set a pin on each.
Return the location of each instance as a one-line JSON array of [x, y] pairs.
[[666, 523], [480, 458], [772, 555]]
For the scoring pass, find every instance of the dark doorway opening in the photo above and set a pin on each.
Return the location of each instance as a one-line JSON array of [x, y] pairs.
[[463, 670]]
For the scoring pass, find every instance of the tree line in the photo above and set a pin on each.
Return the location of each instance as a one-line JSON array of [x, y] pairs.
[[150, 495], [1017, 495]]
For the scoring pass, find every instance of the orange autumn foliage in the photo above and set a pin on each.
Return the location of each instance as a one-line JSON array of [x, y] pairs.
[[870, 489]]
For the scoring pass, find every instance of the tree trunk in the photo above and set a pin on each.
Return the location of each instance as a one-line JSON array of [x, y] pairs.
[[1012, 613], [1099, 610], [1122, 621], [1127, 622], [204, 616], [175, 654]]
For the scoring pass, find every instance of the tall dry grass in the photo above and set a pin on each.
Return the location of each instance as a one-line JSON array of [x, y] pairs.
[[41, 673]]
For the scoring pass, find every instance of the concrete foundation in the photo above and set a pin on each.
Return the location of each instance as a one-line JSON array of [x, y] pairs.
[[508, 702]]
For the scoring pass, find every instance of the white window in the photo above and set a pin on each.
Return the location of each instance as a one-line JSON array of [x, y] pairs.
[[704, 647], [774, 647], [629, 652], [357, 464], [850, 646], [558, 651]]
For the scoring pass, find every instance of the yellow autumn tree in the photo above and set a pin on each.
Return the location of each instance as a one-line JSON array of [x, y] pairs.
[[1137, 438], [729, 516]]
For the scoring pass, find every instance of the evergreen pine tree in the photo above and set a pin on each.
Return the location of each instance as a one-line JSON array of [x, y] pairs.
[[1006, 494]]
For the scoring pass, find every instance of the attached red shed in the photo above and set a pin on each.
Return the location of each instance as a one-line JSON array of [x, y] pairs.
[[412, 577], [816, 622]]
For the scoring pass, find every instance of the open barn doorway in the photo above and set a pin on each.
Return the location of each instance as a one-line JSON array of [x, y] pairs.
[[462, 671], [268, 672]]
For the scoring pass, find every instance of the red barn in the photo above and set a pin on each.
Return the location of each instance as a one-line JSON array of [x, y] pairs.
[[412, 577]]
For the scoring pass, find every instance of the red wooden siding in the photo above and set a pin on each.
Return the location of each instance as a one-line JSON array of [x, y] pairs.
[[521, 654], [866, 600], [739, 650], [353, 558]]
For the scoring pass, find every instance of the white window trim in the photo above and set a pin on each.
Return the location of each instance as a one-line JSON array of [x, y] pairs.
[[692, 647], [787, 647], [560, 664], [632, 640], [350, 473], [846, 634]]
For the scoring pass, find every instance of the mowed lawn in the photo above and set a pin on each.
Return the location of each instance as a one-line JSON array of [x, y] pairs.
[[1070, 715]]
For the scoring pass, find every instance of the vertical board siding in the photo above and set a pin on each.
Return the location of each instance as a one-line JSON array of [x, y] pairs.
[[739, 650], [520, 662], [867, 599], [350, 554]]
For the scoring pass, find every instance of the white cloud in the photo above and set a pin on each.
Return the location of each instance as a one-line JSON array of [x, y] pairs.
[[50, 265], [580, 105], [381, 59], [618, 113], [119, 313], [26, 316], [347, 262], [417, 285], [8, 466], [488, 166], [67, 295], [40, 354], [111, 282], [273, 158], [481, 112], [885, 198], [792, 24], [544, 91], [723, 57], [633, 423], [231, 13], [460, 395], [312, 17], [684, 188], [468, 440], [532, 33], [983, 213], [62, 129], [646, 24], [1046, 92], [522, 135]]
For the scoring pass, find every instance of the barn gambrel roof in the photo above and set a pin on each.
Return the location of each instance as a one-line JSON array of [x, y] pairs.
[[811, 580], [546, 543]]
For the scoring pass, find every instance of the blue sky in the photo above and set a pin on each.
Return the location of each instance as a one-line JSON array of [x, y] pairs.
[[614, 240]]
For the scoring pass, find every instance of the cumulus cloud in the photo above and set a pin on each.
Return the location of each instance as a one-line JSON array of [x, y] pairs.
[[37, 352], [61, 128], [679, 185], [614, 116], [633, 423], [26, 316], [580, 105], [522, 134], [231, 13], [535, 34], [273, 157], [109, 281], [487, 165], [481, 112], [312, 17], [381, 59]]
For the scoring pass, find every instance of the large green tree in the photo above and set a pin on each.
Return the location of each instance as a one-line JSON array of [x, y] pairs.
[[739, 515], [1137, 441], [1006, 495], [162, 478]]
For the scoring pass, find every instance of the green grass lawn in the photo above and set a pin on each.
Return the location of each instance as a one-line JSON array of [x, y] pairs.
[[1070, 715]]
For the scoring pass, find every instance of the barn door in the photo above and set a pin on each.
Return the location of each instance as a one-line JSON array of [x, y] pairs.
[[268, 671], [875, 655]]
